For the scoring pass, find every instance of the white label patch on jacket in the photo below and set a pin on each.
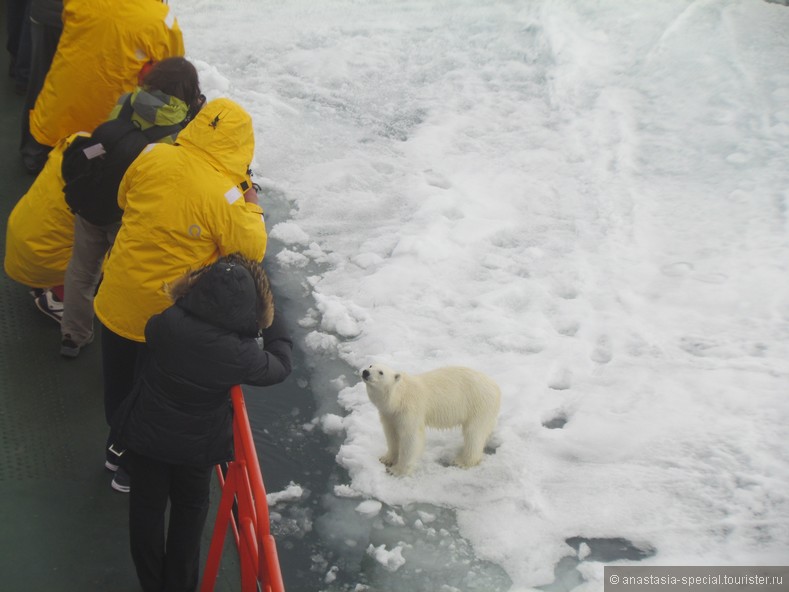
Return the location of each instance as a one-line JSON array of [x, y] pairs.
[[140, 55], [94, 151], [233, 194]]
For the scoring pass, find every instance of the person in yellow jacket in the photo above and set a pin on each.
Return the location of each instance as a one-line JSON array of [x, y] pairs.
[[40, 234], [161, 107], [104, 48], [185, 205], [47, 247]]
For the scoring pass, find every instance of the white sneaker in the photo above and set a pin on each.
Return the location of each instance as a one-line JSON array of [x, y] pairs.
[[50, 306], [121, 481]]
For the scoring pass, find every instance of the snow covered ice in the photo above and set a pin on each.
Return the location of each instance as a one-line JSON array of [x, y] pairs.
[[588, 201]]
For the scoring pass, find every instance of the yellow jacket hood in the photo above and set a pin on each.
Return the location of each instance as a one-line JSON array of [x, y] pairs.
[[222, 134]]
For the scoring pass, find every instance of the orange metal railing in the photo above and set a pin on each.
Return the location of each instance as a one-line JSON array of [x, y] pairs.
[[242, 484]]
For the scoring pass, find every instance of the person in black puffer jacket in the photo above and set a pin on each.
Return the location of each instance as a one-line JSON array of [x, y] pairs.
[[177, 422]]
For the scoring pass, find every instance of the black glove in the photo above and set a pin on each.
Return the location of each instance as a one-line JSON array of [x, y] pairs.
[[278, 331]]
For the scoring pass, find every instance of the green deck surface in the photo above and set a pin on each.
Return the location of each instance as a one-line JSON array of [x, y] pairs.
[[62, 528]]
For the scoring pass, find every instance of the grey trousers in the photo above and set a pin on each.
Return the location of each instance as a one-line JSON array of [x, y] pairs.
[[83, 273]]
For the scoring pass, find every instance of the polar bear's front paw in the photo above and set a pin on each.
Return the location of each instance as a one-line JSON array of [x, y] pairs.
[[388, 459], [398, 470]]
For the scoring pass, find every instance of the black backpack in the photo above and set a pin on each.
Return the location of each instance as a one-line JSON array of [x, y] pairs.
[[93, 167]]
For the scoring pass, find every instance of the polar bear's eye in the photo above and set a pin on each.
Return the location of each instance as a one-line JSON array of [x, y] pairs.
[[380, 372]]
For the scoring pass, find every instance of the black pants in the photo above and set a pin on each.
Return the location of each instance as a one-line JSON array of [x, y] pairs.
[[15, 14], [122, 361], [21, 72], [174, 565], [44, 42]]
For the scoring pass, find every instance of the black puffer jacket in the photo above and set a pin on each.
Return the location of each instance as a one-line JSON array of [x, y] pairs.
[[180, 410]]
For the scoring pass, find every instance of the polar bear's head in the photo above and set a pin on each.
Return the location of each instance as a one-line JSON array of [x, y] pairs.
[[380, 377]]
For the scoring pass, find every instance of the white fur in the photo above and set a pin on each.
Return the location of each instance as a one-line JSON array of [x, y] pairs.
[[442, 398]]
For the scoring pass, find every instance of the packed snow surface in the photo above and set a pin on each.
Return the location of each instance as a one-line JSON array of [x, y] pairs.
[[586, 200]]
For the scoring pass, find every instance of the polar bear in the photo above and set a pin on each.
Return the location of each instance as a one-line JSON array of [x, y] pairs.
[[442, 398]]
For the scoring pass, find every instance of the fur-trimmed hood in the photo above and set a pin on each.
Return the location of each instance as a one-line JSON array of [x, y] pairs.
[[232, 293]]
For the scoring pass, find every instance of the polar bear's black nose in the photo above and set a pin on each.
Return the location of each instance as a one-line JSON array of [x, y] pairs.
[[365, 374]]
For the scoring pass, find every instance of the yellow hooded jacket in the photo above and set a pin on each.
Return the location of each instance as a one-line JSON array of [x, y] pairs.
[[103, 47], [40, 233], [183, 209], [40, 230]]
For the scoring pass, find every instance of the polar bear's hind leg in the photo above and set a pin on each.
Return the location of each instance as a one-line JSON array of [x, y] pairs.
[[475, 436]]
